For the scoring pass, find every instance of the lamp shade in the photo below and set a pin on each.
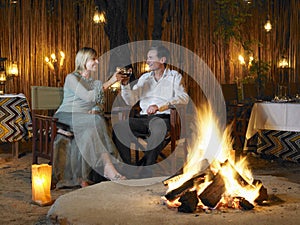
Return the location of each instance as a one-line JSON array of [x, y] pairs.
[[13, 69], [2, 76], [41, 184]]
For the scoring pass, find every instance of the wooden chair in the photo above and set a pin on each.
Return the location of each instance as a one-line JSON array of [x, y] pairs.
[[44, 102], [177, 132], [269, 91], [53, 140], [293, 89], [250, 93], [238, 114], [230, 93]]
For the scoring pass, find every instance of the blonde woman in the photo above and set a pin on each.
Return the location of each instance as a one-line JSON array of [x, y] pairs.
[[81, 110]]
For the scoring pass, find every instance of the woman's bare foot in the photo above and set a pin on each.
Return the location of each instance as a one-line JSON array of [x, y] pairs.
[[84, 184], [111, 173]]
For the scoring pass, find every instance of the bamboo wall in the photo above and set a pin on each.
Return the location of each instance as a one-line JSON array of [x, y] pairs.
[[33, 29]]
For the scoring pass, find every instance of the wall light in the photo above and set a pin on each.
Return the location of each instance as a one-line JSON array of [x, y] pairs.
[[268, 25], [6, 76], [13, 69], [2, 73], [52, 62], [242, 60], [283, 62], [99, 17]]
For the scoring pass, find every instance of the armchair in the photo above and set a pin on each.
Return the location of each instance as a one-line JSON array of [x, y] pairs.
[[44, 102], [237, 114], [172, 138]]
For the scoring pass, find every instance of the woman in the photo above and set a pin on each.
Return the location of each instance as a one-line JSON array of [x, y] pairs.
[[81, 110]]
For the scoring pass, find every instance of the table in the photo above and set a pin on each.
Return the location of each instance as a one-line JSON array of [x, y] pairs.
[[15, 120], [275, 127]]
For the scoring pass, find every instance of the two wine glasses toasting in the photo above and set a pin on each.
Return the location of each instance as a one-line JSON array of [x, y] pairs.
[[124, 71]]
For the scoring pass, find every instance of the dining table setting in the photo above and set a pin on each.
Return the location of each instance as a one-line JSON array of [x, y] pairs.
[[274, 128], [15, 120]]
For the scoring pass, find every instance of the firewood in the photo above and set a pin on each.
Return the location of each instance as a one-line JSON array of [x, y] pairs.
[[263, 193], [237, 175], [204, 164], [213, 192], [196, 179], [189, 202], [245, 204]]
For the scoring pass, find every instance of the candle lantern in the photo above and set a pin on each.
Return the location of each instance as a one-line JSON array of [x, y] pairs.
[[2, 76], [41, 184]]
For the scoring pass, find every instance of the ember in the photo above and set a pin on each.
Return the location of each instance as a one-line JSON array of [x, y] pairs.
[[213, 181]]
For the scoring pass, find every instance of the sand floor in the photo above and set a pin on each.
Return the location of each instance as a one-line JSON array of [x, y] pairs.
[[17, 208]]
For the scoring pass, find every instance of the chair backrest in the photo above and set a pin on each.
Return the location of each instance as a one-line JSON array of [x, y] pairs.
[[230, 93], [293, 89], [46, 98], [269, 91], [250, 92]]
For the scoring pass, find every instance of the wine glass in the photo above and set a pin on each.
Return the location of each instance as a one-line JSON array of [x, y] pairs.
[[124, 71]]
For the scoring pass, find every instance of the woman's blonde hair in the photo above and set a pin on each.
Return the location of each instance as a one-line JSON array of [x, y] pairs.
[[82, 57]]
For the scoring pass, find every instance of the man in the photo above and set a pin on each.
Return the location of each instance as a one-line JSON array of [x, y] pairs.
[[155, 91]]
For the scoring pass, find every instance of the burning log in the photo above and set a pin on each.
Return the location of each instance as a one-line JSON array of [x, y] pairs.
[[245, 204], [213, 192], [204, 165], [237, 175], [189, 202], [263, 193], [196, 179]]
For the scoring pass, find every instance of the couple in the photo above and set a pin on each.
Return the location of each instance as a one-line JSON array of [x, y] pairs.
[[81, 110]]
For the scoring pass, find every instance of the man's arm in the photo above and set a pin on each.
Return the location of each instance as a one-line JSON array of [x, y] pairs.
[[180, 97], [132, 95]]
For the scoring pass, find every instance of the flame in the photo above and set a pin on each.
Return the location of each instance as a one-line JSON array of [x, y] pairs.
[[212, 145], [235, 188]]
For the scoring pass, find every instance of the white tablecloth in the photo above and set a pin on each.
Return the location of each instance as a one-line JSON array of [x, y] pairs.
[[21, 95], [274, 116]]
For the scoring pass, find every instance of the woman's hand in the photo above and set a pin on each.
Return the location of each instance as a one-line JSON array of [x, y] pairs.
[[93, 112], [117, 76]]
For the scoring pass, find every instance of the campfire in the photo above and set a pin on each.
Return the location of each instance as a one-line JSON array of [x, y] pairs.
[[212, 178]]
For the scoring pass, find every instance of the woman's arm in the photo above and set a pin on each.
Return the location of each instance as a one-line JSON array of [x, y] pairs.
[[73, 83], [114, 78]]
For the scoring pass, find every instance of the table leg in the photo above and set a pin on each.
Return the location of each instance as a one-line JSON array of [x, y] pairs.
[[15, 149]]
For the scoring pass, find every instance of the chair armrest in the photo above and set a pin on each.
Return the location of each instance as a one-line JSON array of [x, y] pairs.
[[43, 117], [177, 116], [63, 126]]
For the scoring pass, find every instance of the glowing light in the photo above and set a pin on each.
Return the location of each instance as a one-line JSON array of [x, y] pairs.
[[53, 57], [49, 63], [242, 60], [62, 57], [268, 26], [99, 17], [41, 183], [237, 177], [146, 67], [283, 63], [13, 69]]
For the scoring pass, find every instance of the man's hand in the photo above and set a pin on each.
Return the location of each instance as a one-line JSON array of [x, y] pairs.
[[152, 109]]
